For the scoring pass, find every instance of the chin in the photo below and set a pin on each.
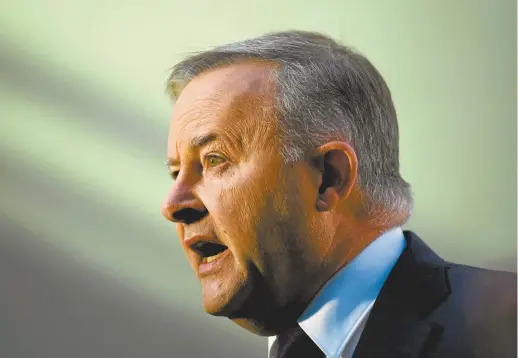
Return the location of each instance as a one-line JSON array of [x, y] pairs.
[[217, 307], [243, 299], [248, 312], [254, 326], [224, 298]]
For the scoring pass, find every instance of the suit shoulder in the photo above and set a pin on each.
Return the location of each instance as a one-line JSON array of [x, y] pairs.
[[465, 276], [484, 294], [482, 310]]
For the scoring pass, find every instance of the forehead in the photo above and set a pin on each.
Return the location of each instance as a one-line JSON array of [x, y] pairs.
[[235, 99]]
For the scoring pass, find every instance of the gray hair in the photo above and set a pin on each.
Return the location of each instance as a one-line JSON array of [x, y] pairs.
[[325, 91]]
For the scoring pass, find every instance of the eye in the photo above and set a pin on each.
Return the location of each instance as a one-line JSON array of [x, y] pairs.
[[173, 173], [213, 161]]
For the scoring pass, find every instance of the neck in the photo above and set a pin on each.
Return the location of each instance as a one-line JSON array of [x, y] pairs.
[[350, 237], [347, 240], [357, 228]]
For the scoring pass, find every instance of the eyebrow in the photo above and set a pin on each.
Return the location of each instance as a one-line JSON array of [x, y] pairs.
[[195, 143], [202, 140]]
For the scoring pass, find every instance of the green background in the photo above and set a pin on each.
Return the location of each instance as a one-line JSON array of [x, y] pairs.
[[83, 131]]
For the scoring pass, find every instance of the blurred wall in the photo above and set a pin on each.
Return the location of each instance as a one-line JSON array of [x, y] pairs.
[[88, 266]]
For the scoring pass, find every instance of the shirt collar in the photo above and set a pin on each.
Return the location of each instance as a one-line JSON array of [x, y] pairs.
[[332, 316]]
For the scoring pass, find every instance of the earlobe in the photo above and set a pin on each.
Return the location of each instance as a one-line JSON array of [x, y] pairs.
[[327, 200]]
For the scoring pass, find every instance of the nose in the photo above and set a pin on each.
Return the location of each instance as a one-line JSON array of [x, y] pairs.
[[182, 206]]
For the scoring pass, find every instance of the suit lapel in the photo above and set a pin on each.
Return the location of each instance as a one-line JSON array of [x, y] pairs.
[[397, 326]]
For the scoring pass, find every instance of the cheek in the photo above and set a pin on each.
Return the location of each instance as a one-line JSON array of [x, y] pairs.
[[239, 207], [241, 196], [239, 211]]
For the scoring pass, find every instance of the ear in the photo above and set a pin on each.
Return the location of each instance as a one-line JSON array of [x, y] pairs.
[[337, 165]]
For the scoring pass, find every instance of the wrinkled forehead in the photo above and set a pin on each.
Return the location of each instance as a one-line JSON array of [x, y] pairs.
[[237, 98]]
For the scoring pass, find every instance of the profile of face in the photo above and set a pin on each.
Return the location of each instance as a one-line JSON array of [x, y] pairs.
[[246, 220]]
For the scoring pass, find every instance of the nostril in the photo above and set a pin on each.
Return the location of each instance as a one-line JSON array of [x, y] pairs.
[[189, 215]]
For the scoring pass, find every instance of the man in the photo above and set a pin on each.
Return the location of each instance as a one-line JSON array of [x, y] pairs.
[[288, 202]]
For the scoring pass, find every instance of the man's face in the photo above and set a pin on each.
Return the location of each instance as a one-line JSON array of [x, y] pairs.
[[243, 217]]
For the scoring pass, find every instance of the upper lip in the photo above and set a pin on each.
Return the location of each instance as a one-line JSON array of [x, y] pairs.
[[195, 239]]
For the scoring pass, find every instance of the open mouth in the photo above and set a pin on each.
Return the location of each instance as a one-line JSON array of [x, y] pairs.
[[209, 251]]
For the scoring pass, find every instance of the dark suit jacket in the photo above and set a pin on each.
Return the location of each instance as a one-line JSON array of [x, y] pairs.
[[432, 308]]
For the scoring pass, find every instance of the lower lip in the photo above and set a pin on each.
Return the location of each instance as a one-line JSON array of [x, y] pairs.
[[207, 267]]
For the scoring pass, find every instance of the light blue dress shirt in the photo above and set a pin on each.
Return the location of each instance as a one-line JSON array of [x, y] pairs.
[[335, 318]]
